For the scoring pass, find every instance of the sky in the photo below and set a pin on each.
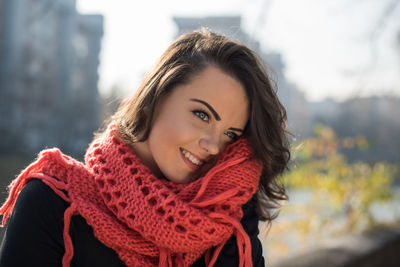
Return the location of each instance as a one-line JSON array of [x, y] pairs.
[[325, 45]]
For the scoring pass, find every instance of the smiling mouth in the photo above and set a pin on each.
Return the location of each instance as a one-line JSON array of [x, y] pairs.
[[191, 158]]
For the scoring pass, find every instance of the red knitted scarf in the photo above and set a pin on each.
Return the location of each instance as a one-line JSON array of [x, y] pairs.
[[148, 221]]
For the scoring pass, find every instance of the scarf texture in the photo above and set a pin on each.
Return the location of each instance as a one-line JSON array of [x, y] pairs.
[[146, 220]]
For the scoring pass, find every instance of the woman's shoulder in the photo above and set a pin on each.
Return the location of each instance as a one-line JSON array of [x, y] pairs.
[[36, 192], [40, 209], [39, 204], [34, 226]]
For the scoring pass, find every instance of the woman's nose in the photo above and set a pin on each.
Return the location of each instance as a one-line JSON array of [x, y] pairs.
[[210, 144]]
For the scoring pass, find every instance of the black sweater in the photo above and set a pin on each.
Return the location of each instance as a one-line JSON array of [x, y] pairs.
[[34, 235]]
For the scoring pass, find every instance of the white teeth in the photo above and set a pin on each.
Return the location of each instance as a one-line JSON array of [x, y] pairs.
[[191, 158]]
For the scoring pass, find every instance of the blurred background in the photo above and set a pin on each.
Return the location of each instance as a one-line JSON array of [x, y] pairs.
[[65, 64]]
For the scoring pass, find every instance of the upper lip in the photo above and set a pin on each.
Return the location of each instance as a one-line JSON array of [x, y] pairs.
[[194, 155]]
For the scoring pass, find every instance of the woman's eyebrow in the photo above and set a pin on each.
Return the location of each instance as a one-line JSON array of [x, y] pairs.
[[212, 110]]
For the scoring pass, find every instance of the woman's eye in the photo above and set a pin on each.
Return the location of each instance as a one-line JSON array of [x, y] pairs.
[[202, 115], [231, 135]]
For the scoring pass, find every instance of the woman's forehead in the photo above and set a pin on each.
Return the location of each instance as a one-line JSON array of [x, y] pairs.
[[213, 83]]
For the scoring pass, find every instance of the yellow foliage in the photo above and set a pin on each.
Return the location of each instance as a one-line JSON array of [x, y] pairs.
[[341, 193]]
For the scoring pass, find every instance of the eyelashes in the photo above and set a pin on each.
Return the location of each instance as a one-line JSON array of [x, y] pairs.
[[231, 135], [204, 116]]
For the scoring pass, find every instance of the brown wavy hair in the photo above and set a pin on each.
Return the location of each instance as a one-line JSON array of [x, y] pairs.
[[266, 129]]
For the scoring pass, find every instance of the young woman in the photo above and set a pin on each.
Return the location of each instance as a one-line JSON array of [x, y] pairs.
[[180, 176]]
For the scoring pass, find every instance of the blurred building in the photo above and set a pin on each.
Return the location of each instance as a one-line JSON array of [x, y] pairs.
[[49, 57], [293, 99], [377, 118]]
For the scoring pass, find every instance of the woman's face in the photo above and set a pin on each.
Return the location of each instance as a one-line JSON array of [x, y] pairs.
[[193, 125]]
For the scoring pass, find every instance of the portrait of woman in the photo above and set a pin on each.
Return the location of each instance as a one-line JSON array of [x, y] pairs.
[[180, 175]]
